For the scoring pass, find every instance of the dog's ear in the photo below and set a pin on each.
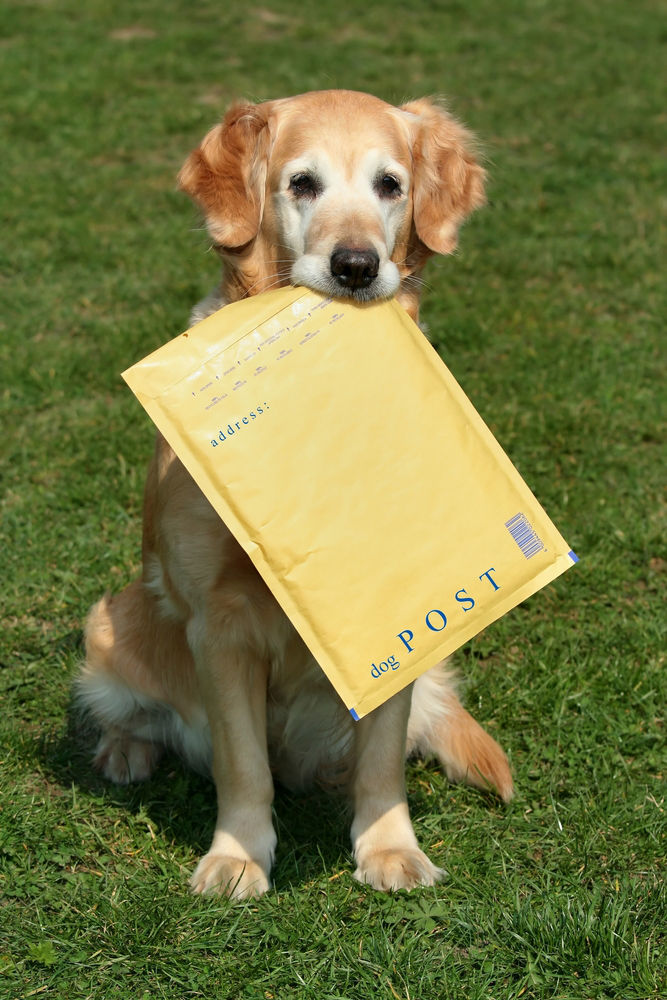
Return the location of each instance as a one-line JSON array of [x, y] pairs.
[[227, 173], [448, 181]]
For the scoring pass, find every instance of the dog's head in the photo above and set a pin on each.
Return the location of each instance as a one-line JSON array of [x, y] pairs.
[[334, 190]]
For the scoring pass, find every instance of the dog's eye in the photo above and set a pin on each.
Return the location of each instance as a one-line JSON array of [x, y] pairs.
[[388, 186], [304, 186]]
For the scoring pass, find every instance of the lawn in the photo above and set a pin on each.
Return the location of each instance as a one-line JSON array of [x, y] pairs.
[[549, 315]]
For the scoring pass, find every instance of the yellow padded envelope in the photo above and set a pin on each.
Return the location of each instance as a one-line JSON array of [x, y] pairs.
[[351, 467]]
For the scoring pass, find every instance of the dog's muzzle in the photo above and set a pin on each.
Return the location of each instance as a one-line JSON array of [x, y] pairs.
[[354, 269]]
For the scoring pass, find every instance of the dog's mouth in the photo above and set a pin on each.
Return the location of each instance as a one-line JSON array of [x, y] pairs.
[[348, 273]]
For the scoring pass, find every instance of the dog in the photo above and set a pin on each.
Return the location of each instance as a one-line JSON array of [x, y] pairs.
[[349, 196]]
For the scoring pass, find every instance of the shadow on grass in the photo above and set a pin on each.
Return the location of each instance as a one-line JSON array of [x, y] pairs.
[[313, 829]]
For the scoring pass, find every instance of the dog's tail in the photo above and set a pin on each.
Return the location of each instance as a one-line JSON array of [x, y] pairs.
[[440, 727]]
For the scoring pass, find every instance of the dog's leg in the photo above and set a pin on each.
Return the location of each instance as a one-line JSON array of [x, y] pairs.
[[122, 683], [384, 843], [233, 683]]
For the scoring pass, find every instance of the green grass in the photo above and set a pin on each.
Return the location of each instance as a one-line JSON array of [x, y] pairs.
[[549, 316]]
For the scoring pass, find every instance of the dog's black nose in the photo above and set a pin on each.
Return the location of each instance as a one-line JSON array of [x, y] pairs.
[[354, 268]]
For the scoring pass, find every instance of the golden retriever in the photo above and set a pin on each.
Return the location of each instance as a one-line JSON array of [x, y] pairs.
[[348, 195]]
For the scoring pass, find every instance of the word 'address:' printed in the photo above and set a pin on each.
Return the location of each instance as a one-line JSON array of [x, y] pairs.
[[235, 426]]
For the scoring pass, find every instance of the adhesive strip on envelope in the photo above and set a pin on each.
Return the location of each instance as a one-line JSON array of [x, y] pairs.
[[353, 470]]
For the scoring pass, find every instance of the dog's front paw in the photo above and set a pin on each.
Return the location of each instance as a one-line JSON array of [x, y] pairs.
[[233, 877], [398, 869]]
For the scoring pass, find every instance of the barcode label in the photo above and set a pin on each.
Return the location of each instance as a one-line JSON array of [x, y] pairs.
[[524, 535]]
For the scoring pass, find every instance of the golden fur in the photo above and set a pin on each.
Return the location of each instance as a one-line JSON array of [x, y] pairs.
[[349, 195]]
